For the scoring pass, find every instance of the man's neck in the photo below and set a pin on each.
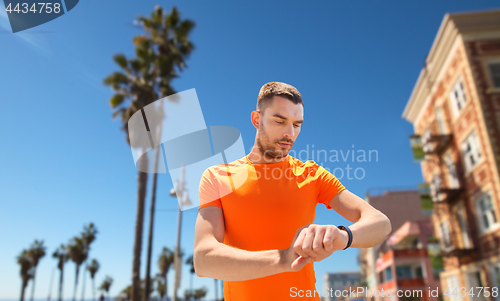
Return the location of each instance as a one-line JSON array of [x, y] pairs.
[[256, 156]]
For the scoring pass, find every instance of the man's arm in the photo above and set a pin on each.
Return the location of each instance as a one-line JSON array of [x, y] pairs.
[[370, 225], [216, 260]]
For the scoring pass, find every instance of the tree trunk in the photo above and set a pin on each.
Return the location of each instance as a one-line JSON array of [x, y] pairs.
[[166, 287], [191, 286], [61, 283], [24, 283], [84, 277], [216, 291], [93, 289], [142, 180], [147, 283], [33, 284], [76, 282], [50, 285]]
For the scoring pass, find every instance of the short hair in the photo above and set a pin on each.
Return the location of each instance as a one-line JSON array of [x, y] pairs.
[[269, 90]]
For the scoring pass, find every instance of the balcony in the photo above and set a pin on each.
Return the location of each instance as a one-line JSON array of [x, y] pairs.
[[410, 282], [394, 254], [459, 252], [409, 253], [441, 194], [434, 144]]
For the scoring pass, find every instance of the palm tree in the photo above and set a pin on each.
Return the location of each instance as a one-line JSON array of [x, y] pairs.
[[165, 261], [161, 54], [24, 260], [188, 294], [76, 252], [190, 262], [106, 285], [126, 293], [93, 268], [35, 252], [88, 236], [200, 293], [62, 257], [160, 286]]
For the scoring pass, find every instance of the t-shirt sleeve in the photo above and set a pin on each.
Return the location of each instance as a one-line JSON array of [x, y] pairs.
[[208, 191], [327, 186]]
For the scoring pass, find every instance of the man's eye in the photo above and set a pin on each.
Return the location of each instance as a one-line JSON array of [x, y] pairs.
[[279, 122], [297, 125]]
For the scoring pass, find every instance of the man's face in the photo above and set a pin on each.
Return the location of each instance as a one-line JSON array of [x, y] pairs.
[[279, 126]]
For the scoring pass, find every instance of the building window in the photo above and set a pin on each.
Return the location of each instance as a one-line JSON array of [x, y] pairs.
[[388, 274], [471, 151], [452, 171], [495, 74], [446, 243], [440, 121], [403, 272], [452, 282], [486, 213], [495, 279], [461, 216], [418, 272], [475, 281], [381, 277], [426, 146], [458, 96], [435, 186]]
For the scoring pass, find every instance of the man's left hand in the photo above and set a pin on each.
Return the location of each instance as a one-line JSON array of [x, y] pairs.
[[320, 241]]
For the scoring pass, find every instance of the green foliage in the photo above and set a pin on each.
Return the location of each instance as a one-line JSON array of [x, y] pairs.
[[160, 54]]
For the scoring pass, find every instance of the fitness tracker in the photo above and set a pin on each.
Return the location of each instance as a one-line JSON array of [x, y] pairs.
[[349, 241]]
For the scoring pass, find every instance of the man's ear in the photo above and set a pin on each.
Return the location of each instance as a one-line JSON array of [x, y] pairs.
[[255, 118]]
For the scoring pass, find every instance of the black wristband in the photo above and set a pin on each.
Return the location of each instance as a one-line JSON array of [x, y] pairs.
[[349, 241]]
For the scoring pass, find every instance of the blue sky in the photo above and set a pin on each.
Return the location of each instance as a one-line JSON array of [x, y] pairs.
[[66, 163]]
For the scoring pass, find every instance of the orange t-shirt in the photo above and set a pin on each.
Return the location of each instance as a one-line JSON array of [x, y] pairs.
[[264, 205]]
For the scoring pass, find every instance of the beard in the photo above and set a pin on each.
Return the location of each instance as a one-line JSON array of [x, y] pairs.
[[269, 149]]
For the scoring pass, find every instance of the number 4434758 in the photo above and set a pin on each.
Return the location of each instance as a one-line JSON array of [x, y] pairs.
[[35, 8]]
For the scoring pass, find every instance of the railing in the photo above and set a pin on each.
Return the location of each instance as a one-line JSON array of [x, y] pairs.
[[411, 282], [435, 144], [410, 252], [441, 194], [432, 142], [395, 253], [459, 251]]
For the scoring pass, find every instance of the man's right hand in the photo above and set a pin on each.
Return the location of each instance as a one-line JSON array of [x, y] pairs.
[[312, 243], [292, 261]]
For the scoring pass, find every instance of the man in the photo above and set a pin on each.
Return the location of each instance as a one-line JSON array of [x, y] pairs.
[[255, 228]]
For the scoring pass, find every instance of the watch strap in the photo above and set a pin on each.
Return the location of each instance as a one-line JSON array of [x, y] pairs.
[[349, 233]]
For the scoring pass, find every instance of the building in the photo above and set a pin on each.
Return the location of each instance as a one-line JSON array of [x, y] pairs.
[[352, 293], [455, 111], [399, 206], [405, 267], [336, 282]]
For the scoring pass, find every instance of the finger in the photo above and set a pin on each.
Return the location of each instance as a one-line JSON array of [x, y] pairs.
[[307, 244], [328, 239], [300, 262], [317, 244], [299, 243]]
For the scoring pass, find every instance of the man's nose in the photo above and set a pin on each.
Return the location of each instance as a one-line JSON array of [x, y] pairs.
[[289, 131]]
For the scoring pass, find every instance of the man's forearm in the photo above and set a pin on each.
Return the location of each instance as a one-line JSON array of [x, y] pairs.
[[370, 230], [220, 261]]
